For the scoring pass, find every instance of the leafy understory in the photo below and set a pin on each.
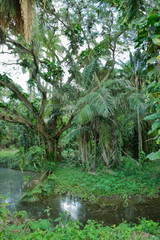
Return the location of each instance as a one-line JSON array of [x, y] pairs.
[[22, 228], [104, 182], [116, 183], [43, 189]]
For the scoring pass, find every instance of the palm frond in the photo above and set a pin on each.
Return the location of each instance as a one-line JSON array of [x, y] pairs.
[[105, 132], [85, 115], [118, 86], [100, 101], [136, 101], [134, 8], [80, 130], [88, 73]]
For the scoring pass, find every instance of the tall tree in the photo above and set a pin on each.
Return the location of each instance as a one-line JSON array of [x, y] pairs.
[[71, 61]]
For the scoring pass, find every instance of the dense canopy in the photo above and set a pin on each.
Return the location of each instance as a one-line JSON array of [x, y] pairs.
[[93, 78]]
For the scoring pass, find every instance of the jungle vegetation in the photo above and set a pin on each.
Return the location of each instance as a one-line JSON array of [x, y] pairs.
[[92, 102], [93, 87]]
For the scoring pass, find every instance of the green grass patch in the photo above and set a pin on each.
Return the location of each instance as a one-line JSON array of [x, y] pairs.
[[122, 183]]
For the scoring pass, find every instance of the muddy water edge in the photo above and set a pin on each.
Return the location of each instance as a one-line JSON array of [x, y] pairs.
[[107, 211]]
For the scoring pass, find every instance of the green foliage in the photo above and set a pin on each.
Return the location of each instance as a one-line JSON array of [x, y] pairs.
[[99, 102], [67, 229], [104, 182], [41, 224], [152, 116], [9, 136], [34, 159], [73, 33], [154, 155], [129, 164], [88, 73], [53, 71], [104, 101], [3, 211], [155, 117], [77, 80], [8, 158], [148, 40], [43, 189], [20, 214], [147, 226]]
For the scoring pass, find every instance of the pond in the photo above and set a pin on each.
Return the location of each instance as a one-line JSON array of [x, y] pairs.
[[107, 211]]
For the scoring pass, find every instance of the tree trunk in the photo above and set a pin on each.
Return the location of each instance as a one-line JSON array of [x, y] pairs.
[[53, 150], [57, 151], [139, 132]]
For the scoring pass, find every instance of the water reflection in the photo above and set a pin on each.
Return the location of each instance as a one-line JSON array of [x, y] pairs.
[[107, 211], [129, 213], [73, 207], [11, 186]]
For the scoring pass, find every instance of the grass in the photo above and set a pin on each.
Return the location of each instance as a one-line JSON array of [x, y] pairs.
[[123, 183]]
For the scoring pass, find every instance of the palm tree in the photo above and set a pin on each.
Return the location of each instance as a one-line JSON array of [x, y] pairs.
[[107, 117], [135, 70]]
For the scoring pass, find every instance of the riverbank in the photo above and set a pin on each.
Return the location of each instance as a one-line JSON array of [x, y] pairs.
[[104, 183], [96, 187], [118, 183], [22, 228]]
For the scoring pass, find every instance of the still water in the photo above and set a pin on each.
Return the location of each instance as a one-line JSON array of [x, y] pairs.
[[107, 211]]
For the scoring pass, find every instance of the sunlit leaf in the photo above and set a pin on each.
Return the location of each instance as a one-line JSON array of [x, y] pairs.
[[155, 126], [152, 116], [152, 60], [156, 41], [154, 155]]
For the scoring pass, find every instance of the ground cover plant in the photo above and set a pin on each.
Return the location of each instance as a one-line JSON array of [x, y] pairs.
[[19, 227], [122, 183], [119, 183], [130, 179]]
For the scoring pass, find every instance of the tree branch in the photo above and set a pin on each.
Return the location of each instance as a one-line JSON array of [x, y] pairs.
[[15, 119], [64, 127], [17, 44], [39, 85], [113, 57], [9, 63], [7, 82]]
